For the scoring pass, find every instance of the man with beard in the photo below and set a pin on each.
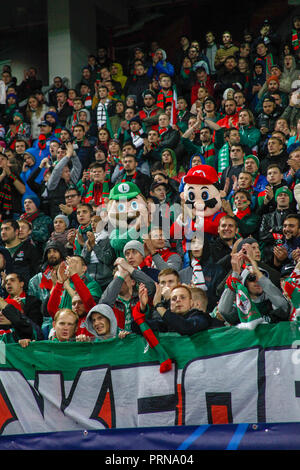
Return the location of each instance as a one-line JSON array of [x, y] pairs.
[[289, 251], [41, 284], [131, 173]]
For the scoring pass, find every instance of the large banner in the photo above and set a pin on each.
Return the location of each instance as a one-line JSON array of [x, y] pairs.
[[218, 376]]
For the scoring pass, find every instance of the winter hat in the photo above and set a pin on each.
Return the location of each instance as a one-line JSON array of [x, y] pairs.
[[64, 218], [248, 241], [164, 54], [33, 198], [273, 77], [284, 189], [134, 245], [253, 157]]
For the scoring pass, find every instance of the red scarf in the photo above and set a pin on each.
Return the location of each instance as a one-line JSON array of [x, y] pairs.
[[46, 281], [163, 99], [133, 178], [241, 214]]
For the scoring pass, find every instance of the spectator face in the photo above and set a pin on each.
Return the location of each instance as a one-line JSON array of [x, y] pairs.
[[24, 230], [234, 137], [129, 113], [100, 323], [61, 98], [274, 176], [153, 137], [254, 288], [197, 248], [72, 198], [59, 226], [134, 126], [166, 157], [250, 166], [78, 306], [53, 148], [20, 148], [244, 181], [226, 38], [65, 326], [193, 53], [291, 228], [261, 50], [53, 257], [227, 229], [230, 107], [165, 83], [78, 133], [273, 86], [66, 174], [236, 154], [168, 281], [83, 215], [29, 206], [133, 257], [64, 136], [241, 202], [157, 238], [140, 70], [274, 146], [13, 286], [8, 233], [283, 201], [197, 159], [180, 301], [163, 120], [288, 61], [268, 107], [149, 101], [98, 175], [240, 100], [209, 38], [230, 64], [159, 193]]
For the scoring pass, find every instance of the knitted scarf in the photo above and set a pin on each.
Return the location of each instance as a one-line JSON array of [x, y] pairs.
[[82, 231], [198, 278], [295, 40], [30, 217], [292, 293], [248, 312], [139, 318], [97, 196], [5, 197], [185, 73], [240, 214], [46, 281], [130, 178], [163, 99], [223, 159], [163, 130]]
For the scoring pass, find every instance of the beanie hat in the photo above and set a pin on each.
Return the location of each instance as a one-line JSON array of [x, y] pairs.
[[33, 198], [253, 157], [245, 241], [273, 77], [64, 218], [134, 245], [284, 189]]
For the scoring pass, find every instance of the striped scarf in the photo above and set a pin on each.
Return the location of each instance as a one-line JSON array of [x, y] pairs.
[[82, 231], [163, 99], [30, 217], [223, 159], [6, 198], [139, 318], [248, 312], [97, 193], [198, 278], [292, 293], [295, 40]]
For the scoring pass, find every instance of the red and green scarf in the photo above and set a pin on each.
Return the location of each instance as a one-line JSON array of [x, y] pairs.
[[295, 40], [163, 99], [30, 217], [97, 193]]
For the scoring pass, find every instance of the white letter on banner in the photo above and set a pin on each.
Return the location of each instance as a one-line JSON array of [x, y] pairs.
[[79, 403], [220, 386], [144, 397], [282, 386]]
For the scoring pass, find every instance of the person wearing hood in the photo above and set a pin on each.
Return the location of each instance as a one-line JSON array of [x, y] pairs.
[[42, 224], [17, 129], [101, 322], [169, 161], [251, 165], [117, 74], [266, 301], [41, 284], [52, 118], [160, 65]]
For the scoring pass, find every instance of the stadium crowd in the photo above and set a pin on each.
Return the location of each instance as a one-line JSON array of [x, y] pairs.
[[69, 157]]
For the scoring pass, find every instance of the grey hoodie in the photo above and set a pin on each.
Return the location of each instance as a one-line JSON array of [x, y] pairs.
[[106, 311]]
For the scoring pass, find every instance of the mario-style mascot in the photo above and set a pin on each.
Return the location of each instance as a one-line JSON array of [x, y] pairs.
[[201, 206]]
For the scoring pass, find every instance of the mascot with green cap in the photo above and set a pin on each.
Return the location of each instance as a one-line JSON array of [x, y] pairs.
[[128, 217]]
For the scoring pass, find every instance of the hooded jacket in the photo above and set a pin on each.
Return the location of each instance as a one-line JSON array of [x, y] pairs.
[[106, 311]]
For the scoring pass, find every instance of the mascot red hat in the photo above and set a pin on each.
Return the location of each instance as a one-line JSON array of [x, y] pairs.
[[201, 174]]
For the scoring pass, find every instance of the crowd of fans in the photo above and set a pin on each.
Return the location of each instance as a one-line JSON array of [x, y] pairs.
[[233, 105]]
